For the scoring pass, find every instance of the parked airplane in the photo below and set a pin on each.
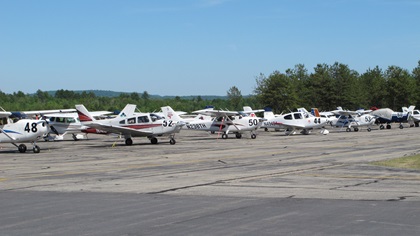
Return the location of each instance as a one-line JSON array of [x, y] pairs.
[[388, 116], [132, 124], [416, 117], [225, 122], [353, 119], [21, 131], [268, 122], [301, 120], [69, 123]]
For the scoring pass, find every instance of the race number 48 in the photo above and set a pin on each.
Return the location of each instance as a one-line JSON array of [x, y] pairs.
[[31, 128]]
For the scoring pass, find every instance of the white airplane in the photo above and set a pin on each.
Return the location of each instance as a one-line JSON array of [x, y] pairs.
[[225, 122], [69, 123], [21, 131], [130, 124], [353, 119], [301, 120], [330, 116], [268, 122], [416, 117]]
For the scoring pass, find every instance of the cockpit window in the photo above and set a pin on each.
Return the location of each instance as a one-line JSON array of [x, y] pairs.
[[131, 120], [71, 120], [143, 119], [3, 121], [297, 116]]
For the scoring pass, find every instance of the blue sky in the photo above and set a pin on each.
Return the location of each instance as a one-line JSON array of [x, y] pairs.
[[195, 47]]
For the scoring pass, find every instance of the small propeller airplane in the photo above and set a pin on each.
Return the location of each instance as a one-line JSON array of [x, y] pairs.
[[21, 131], [131, 124], [300, 120], [69, 123], [388, 116], [225, 122], [353, 119], [268, 120], [416, 117]]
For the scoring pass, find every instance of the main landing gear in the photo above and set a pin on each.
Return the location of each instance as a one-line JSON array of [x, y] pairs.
[[153, 140], [22, 148], [238, 135]]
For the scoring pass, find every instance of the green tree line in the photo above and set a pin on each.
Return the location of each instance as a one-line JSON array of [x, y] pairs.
[[327, 87], [335, 85], [63, 99]]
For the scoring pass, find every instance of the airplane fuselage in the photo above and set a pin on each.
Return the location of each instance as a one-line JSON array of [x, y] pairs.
[[24, 130], [355, 121]]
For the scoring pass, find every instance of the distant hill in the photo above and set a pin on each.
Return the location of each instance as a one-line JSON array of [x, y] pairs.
[[108, 93]]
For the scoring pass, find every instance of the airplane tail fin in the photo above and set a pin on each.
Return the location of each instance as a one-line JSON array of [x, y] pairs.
[[411, 108], [268, 113], [169, 113], [128, 110], [84, 115], [315, 112]]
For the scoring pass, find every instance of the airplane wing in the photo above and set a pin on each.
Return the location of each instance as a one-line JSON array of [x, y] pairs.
[[100, 113], [217, 113], [345, 113], [5, 114], [43, 112], [118, 129]]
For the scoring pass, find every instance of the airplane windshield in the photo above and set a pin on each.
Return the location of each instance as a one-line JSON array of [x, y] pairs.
[[155, 117]]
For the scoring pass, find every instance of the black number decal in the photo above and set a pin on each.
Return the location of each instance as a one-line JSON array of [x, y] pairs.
[[253, 122], [33, 127], [167, 123], [27, 129]]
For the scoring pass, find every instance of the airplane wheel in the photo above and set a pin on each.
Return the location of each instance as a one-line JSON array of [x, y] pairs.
[[36, 149], [172, 141], [154, 140], [129, 142], [224, 136], [253, 136], [238, 135], [401, 127], [369, 129], [348, 130], [416, 124], [356, 129], [75, 138], [22, 148], [388, 126], [381, 127], [266, 129]]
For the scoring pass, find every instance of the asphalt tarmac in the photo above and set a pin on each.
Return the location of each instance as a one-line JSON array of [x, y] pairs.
[[203, 185]]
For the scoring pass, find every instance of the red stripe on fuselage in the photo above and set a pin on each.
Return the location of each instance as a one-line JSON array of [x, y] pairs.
[[146, 126]]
